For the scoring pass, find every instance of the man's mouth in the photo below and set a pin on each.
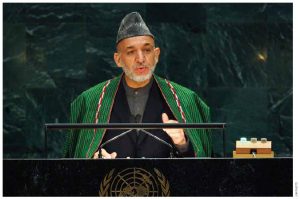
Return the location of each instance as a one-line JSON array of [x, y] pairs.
[[142, 70]]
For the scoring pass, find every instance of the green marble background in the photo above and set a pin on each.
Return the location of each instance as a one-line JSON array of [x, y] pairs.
[[237, 57]]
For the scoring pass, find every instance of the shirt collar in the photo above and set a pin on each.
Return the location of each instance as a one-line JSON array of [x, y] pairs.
[[137, 91]]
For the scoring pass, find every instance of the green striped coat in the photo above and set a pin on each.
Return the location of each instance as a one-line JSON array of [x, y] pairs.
[[95, 104]]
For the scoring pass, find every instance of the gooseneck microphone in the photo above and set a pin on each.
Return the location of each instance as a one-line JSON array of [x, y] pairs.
[[136, 119]]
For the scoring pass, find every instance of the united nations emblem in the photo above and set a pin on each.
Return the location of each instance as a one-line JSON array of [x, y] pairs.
[[134, 182]]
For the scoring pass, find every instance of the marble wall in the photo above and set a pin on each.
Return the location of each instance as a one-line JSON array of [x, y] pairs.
[[237, 57]]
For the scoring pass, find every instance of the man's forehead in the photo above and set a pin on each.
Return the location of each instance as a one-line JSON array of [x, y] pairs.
[[134, 42], [142, 44]]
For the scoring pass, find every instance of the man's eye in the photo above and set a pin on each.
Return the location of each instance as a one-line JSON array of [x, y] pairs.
[[147, 50], [129, 52]]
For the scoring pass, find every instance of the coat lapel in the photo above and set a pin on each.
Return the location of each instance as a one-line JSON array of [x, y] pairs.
[[121, 105], [104, 114], [168, 97]]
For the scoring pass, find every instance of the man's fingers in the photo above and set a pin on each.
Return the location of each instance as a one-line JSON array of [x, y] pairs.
[[96, 155], [113, 155], [164, 118], [106, 155], [176, 135]]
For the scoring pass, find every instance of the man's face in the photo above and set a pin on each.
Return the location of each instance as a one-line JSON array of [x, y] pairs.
[[138, 57]]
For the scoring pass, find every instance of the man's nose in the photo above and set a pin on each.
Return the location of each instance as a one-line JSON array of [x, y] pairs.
[[140, 57]]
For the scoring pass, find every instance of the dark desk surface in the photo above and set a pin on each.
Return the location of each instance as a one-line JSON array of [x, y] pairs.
[[177, 177]]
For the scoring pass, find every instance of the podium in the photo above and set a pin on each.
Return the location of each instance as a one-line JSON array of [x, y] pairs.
[[149, 177]]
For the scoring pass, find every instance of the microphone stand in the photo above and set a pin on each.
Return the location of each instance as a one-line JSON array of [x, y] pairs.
[[114, 138], [131, 126], [137, 120], [160, 140], [146, 132]]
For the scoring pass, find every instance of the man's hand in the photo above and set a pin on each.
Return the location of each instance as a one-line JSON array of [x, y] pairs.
[[177, 135], [105, 155]]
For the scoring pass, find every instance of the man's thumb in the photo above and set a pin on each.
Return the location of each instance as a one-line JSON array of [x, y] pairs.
[[165, 118]]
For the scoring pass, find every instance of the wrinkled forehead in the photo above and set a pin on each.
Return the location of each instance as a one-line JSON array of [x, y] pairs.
[[135, 42]]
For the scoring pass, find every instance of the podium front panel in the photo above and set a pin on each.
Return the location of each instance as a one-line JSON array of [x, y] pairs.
[[149, 177]]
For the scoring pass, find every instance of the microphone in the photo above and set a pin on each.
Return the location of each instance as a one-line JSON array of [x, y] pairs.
[[137, 119]]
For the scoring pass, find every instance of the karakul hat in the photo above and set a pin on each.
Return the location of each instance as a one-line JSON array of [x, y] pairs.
[[132, 25]]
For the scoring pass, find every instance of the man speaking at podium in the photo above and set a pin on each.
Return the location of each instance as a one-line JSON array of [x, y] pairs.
[[138, 96]]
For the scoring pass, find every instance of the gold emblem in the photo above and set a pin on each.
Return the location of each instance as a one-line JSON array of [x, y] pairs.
[[134, 182]]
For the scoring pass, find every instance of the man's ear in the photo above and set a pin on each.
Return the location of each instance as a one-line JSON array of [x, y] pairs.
[[156, 53], [117, 59]]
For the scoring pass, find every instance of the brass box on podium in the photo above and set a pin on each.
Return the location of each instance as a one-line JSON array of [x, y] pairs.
[[253, 149]]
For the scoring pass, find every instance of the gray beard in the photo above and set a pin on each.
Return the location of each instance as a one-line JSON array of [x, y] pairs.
[[138, 78]]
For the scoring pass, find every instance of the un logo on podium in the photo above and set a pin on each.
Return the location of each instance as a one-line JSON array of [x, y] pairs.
[[134, 182]]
